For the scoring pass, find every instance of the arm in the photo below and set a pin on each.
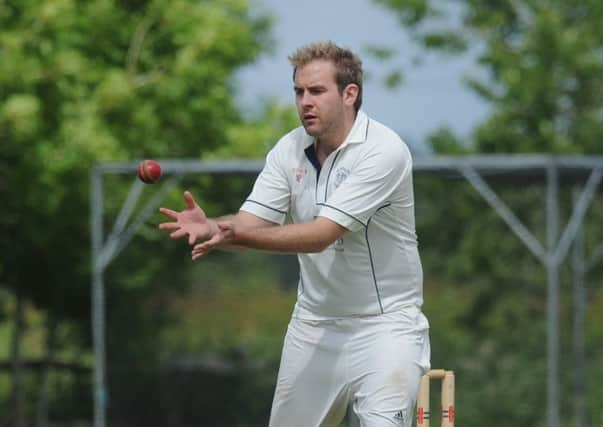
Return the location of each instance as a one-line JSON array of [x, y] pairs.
[[241, 221], [193, 222], [310, 237]]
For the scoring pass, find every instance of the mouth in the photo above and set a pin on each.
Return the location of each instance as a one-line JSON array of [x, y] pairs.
[[307, 118]]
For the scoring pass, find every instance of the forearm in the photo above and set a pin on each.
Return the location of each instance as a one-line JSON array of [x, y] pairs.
[[291, 238], [254, 233]]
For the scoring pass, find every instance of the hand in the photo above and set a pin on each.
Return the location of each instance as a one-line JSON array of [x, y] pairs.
[[222, 238], [191, 221]]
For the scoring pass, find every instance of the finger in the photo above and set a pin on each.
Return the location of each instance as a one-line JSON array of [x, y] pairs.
[[200, 247], [169, 225], [197, 245], [192, 238], [198, 255], [169, 213], [214, 241], [178, 234], [190, 201]]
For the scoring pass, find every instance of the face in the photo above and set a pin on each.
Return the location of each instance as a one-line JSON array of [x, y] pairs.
[[321, 108]]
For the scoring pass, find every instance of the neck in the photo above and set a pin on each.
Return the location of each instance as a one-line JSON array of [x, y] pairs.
[[329, 142]]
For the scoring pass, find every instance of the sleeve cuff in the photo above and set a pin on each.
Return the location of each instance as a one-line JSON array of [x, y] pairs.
[[264, 212], [342, 218]]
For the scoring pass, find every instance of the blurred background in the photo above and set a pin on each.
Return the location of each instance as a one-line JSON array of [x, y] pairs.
[[84, 83]]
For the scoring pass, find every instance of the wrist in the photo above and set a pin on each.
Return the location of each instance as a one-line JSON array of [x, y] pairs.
[[213, 227]]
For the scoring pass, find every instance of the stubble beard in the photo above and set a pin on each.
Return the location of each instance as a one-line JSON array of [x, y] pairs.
[[320, 130]]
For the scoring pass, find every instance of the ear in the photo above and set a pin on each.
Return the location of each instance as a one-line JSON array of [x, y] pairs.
[[350, 93]]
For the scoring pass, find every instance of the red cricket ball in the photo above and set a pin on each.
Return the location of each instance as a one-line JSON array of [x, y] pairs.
[[149, 171]]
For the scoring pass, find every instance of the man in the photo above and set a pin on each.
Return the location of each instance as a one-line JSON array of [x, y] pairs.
[[357, 337]]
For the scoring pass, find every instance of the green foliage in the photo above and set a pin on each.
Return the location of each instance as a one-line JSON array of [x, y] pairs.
[[409, 12], [443, 141], [381, 53], [394, 76], [33, 347], [393, 79], [242, 307], [89, 81], [544, 71], [446, 41], [254, 137]]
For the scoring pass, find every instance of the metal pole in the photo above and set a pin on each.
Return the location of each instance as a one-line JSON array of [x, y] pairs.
[[579, 270], [581, 204], [98, 299], [504, 212], [552, 267]]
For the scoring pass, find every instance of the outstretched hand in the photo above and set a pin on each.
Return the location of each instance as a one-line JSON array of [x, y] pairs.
[[191, 222]]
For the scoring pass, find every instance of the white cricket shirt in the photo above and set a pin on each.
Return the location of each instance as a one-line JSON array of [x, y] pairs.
[[365, 186]]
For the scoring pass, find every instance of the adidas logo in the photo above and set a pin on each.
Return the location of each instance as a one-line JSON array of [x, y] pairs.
[[400, 415]]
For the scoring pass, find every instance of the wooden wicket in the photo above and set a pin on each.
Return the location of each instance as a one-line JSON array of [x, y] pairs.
[[447, 409]]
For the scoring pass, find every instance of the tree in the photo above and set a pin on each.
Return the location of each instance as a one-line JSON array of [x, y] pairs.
[[542, 64], [86, 81]]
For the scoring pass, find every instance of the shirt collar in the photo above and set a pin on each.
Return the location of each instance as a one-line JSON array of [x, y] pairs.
[[359, 130]]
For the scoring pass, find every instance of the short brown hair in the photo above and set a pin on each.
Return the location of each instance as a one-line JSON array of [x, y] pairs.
[[347, 64]]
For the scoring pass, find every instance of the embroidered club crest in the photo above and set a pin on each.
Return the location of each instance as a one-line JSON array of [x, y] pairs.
[[299, 173], [340, 175]]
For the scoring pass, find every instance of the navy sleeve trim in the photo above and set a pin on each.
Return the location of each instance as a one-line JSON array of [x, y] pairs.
[[266, 206], [343, 212]]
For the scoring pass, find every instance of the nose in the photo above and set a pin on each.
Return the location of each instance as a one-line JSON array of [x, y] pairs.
[[304, 99]]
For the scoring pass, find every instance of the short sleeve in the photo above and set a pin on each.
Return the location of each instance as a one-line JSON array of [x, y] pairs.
[[270, 196]]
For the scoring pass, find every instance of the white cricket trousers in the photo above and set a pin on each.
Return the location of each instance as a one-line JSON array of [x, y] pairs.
[[373, 363]]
